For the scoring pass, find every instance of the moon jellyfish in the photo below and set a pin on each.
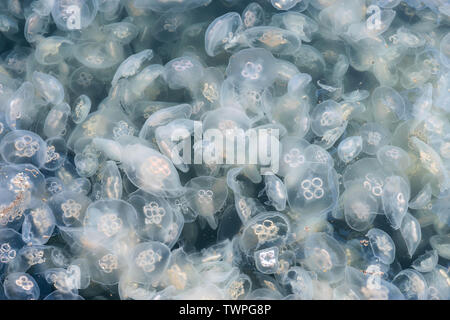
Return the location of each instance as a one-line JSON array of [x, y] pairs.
[[412, 284], [207, 195], [382, 245], [325, 256]]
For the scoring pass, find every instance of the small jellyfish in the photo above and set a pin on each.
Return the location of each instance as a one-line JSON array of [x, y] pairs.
[[239, 287], [395, 197], [108, 220], [207, 195], [223, 33], [20, 110], [22, 146], [360, 207], [300, 281], [149, 261], [56, 153], [53, 50], [111, 181], [412, 284], [55, 123], [81, 108], [325, 256], [10, 244], [253, 15], [350, 148], [182, 72], [266, 260], [326, 116], [97, 55], [276, 40], [69, 208], [21, 286], [394, 158], [157, 219], [275, 191], [411, 233], [256, 67], [131, 65], [422, 198], [263, 231], [312, 188], [426, 262], [382, 245], [441, 243], [86, 164], [122, 32], [48, 87], [388, 105], [374, 137], [38, 225]]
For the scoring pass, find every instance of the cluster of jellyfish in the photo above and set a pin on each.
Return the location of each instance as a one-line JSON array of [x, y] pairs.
[[98, 198]]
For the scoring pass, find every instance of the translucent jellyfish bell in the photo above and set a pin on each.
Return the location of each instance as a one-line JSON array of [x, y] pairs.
[[382, 245], [412, 284], [325, 256], [53, 50], [20, 110], [21, 286], [145, 167], [207, 195], [395, 197], [21, 146], [263, 231], [370, 285], [48, 87], [253, 15], [392, 157], [411, 233], [256, 67], [74, 14], [374, 137], [98, 55], [123, 32], [81, 108], [10, 244], [326, 116], [387, 105], [131, 65], [181, 72], [312, 188], [350, 148], [360, 207], [426, 262], [55, 123], [223, 33], [107, 220], [157, 219], [111, 181], [149, 261], [441, 243], [38, 225], [276, 40], [276, 192]]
